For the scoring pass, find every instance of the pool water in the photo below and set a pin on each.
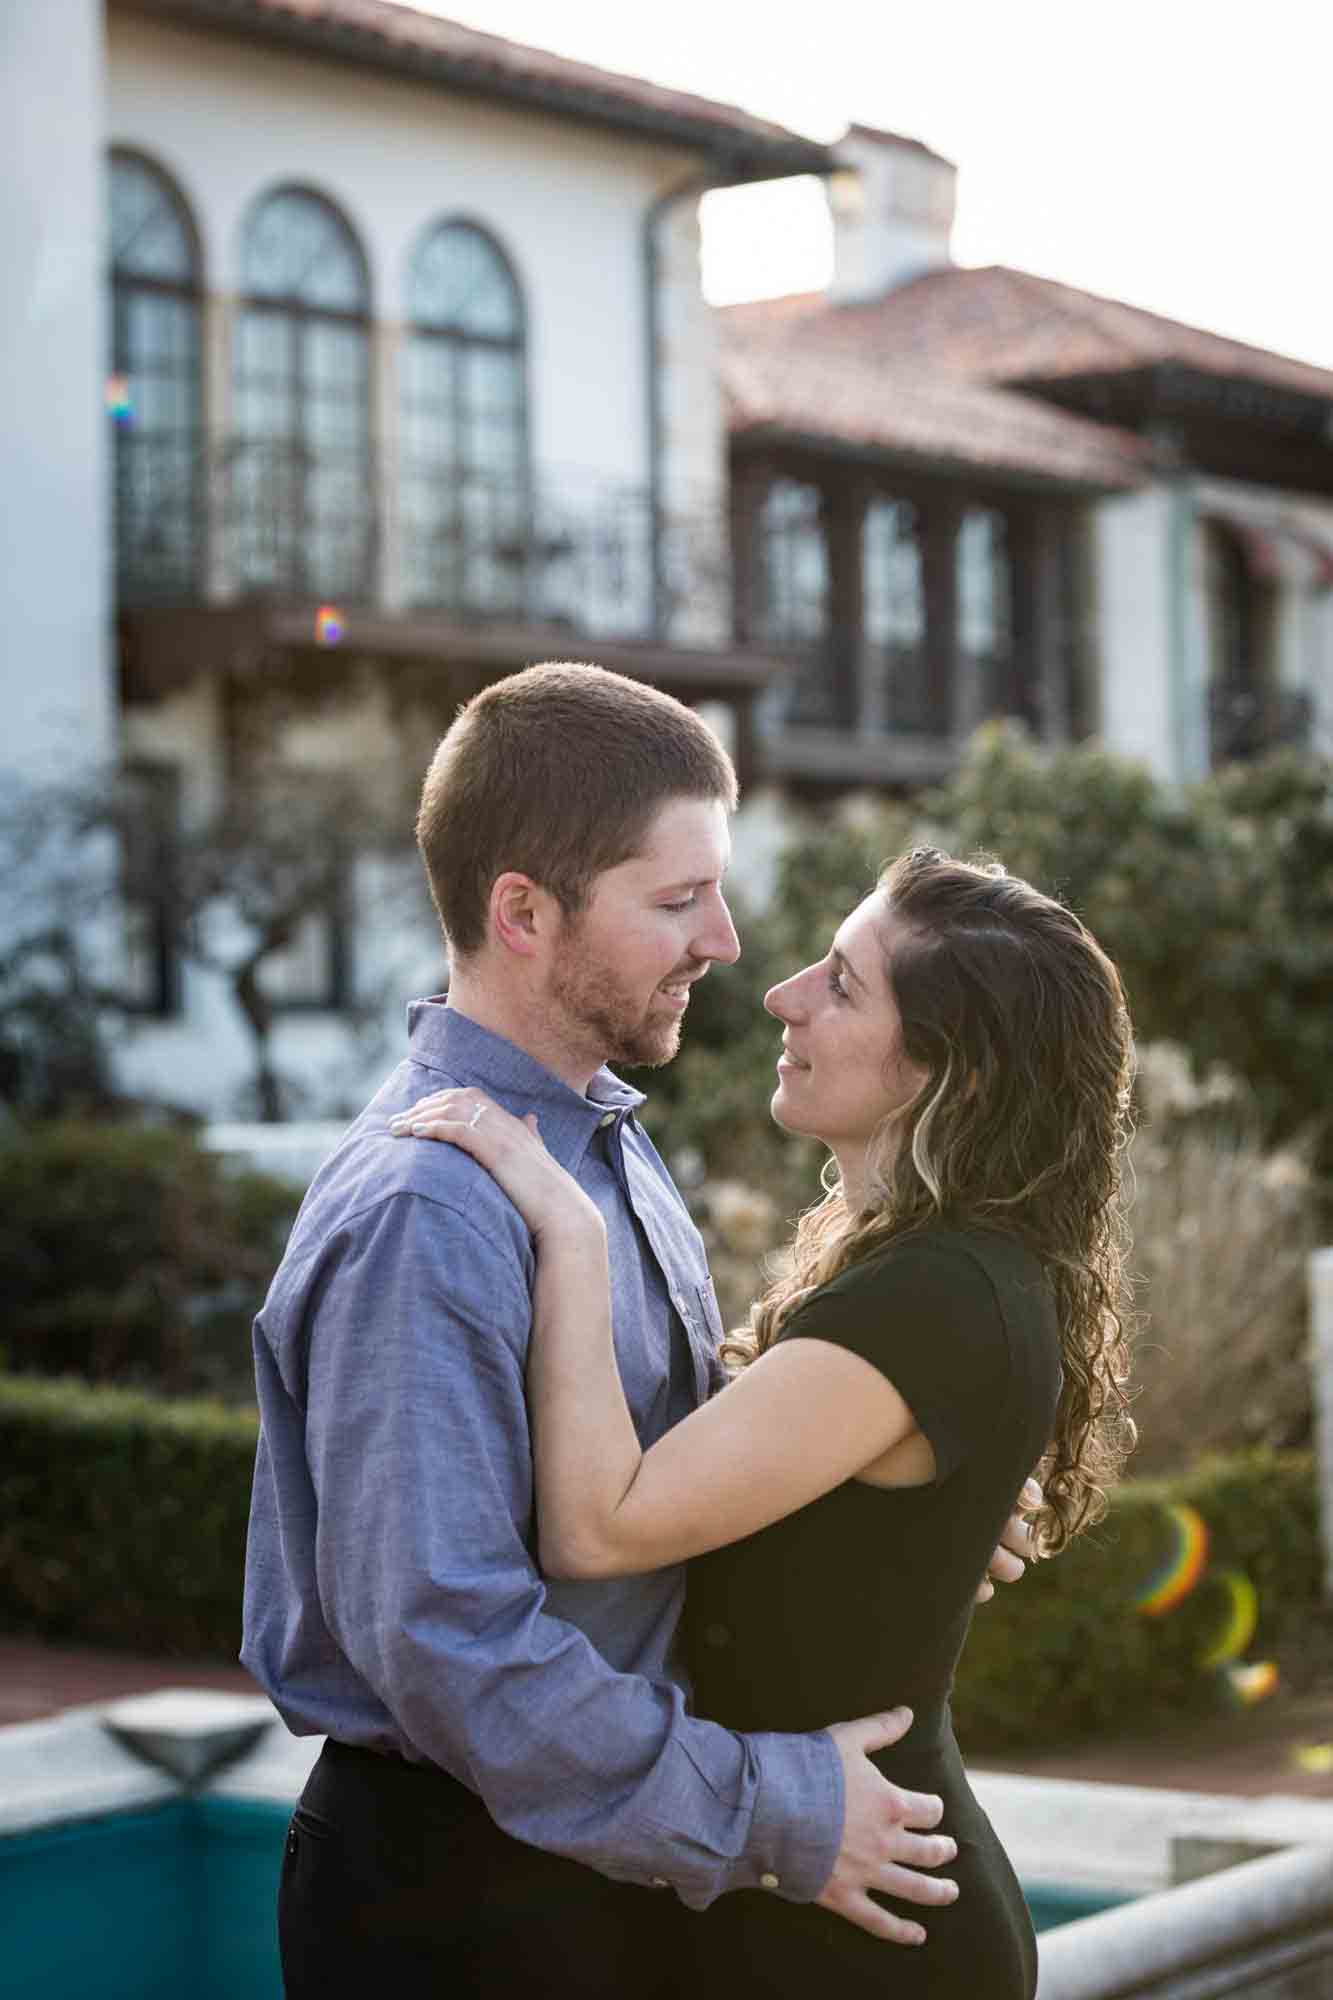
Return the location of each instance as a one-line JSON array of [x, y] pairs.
[[179, 1900]]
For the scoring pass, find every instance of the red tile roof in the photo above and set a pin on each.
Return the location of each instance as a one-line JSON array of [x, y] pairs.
[[999, 325], [788, 374], [382, 34], [933, 358]]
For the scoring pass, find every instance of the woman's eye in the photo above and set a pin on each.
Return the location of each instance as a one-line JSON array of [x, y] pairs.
[[688, 904]]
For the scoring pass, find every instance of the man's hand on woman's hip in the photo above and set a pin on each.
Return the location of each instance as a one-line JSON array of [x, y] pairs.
[[886, 1837]]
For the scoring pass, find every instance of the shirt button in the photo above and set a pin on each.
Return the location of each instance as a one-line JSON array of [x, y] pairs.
[[608, 1118], [768, 1882], [717, 1635]]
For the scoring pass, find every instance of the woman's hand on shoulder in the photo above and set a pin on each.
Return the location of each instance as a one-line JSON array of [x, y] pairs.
[[510, 1149]]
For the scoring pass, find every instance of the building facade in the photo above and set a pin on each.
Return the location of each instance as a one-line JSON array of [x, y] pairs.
[[408, 381], [363, 359], [960, 494]]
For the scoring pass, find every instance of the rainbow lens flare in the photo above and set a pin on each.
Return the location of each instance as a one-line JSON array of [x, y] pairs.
[[1247, 1685], [1241, 1619], [118, 400], [1175, 1579], [328, 625]]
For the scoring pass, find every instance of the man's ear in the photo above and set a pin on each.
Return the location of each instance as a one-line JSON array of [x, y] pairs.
[[522, 914]]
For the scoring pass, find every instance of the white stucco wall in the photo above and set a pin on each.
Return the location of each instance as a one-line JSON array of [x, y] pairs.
[[55, 678], [1132, 540]]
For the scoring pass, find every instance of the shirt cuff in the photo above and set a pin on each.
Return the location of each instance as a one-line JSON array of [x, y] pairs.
[[796, 1829]]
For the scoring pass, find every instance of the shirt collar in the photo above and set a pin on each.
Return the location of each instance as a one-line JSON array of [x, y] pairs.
[[441, 1038]]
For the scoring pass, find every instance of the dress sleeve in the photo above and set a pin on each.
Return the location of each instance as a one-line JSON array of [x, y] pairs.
[[927, 1317]]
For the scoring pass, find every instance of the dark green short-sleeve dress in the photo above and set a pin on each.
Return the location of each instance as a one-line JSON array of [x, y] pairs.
[[862, 1601]]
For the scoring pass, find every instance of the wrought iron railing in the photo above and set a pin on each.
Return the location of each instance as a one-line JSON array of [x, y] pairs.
[[279, 519], [1246, 721]]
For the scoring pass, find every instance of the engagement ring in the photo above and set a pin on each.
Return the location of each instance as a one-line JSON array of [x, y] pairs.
[[475, 1119]]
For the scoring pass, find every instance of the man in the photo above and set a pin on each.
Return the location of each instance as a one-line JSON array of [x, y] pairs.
[[513, 1785]]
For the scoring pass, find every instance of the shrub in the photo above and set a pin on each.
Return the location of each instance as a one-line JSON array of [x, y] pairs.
[[1222, 1229], [122, 1516], [1065, 1655], [128, 1253], [1215, 900]]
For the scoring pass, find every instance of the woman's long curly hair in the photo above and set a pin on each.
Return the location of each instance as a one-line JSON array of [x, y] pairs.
[[1019, 1020]]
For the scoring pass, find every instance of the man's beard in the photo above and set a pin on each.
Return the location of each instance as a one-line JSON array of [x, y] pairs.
[[599, 1009]]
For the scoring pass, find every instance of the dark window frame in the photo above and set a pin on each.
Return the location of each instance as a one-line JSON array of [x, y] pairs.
[[509, 542], [297, 566], [174, 463], [159, 829]]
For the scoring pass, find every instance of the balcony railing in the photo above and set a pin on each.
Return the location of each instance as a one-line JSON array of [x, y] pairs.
[[1245, 721], [198, 524]]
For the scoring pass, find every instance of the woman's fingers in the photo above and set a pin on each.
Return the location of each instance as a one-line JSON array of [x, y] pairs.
[[445, 1113]]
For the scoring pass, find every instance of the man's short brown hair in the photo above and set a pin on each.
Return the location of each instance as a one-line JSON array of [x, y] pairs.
[[557, 773]]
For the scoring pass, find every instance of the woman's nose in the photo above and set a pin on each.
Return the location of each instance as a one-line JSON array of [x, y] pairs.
[[779, 1000]]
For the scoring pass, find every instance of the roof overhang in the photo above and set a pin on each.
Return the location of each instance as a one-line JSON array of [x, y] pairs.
[[740, 154], [760, 437], [1161, 391]]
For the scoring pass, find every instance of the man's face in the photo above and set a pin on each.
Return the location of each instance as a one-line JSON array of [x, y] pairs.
[[623, 967]]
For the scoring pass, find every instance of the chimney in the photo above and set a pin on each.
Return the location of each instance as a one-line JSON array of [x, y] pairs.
[[892, 206]]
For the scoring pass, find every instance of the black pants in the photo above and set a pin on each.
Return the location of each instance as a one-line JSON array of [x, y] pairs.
[[396, 1883]]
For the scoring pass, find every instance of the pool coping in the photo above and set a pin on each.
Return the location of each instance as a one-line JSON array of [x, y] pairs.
[[1059, 1832]]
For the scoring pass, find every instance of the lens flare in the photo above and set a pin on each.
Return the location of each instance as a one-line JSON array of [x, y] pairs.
[[118, 400], [1175, 1579], [1248, 1684], [328, 625], [1241, 1619]]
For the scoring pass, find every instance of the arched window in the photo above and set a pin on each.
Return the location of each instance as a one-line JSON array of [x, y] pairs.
[[153, 383], [465, 474], [894, 614], [301, 466], [985, 614]]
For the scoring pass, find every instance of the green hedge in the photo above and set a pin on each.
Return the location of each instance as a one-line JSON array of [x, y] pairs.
[[122, 1516], [130, 1254], [122, 1523], [1067, 1655]]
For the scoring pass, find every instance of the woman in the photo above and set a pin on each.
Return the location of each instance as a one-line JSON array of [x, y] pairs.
[[949, 1317]]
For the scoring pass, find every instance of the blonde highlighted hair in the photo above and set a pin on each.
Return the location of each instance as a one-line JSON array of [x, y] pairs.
[[1019, 1020]]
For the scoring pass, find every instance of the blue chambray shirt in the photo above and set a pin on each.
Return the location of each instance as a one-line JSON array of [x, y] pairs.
[[391, 1594]]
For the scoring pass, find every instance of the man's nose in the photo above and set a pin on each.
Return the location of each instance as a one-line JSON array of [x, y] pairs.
[[717, 939]]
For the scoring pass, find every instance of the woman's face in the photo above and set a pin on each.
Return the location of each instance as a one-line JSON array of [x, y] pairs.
[[842, 1069]]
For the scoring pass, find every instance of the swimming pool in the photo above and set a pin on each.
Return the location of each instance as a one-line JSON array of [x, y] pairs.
[[179, 1898]]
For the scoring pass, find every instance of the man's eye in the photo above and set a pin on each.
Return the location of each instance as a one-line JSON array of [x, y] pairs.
[[835, 983]]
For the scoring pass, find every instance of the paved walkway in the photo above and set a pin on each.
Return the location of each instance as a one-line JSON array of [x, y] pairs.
[[1274, 1747]]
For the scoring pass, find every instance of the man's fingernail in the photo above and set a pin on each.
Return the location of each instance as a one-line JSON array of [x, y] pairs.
[[1032, 1493]]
